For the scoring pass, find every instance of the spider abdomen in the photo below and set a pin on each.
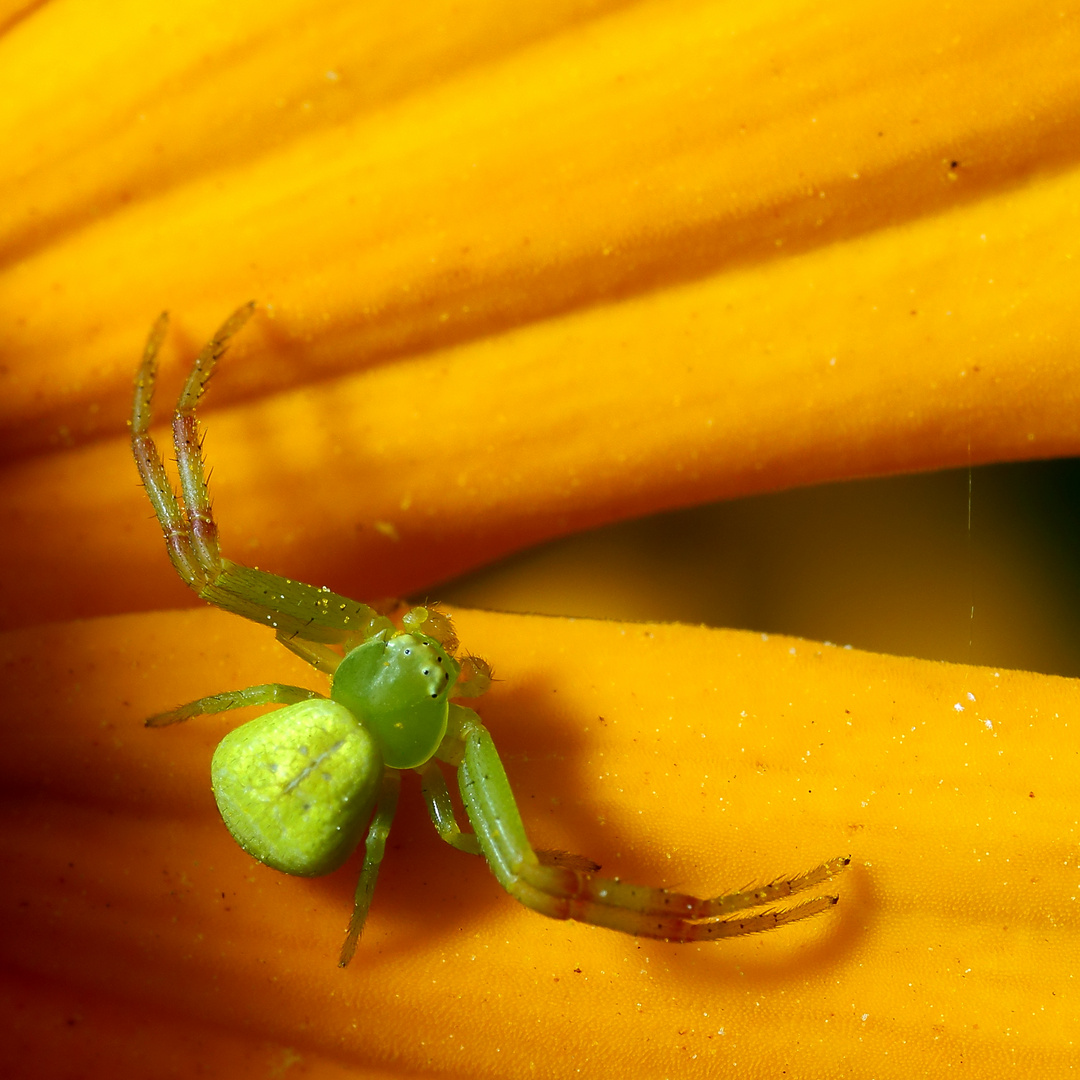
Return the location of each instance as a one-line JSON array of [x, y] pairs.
[[296, 787]]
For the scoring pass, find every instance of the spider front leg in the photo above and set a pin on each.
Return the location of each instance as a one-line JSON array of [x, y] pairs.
[[190, 533], [306, 619], [565, 892]]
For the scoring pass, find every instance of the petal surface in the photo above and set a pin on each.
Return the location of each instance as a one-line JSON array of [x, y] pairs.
[[608, 259], [695, 758]]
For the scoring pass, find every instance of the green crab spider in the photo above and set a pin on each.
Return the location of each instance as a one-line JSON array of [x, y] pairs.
[[297, 787]]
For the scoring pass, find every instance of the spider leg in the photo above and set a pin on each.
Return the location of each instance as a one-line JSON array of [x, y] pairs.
[[295, 610], [264, 694], [441, 809], [374, 847], [320, 657], [152, 469], [292, 608], [187, 439], [565, 892]]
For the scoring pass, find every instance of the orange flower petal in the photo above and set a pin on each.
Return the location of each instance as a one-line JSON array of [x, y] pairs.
[[428, 468], [499, 179], [698, 758], [676, 218], [923, 316]]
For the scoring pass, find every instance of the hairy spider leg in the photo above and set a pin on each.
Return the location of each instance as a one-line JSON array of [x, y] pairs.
[[263, 694], [374, 847], [188, 441], [152, 468], [306, 618], [564, 892]]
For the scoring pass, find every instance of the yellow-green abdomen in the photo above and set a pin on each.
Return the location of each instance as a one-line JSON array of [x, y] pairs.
[[296, 787]]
